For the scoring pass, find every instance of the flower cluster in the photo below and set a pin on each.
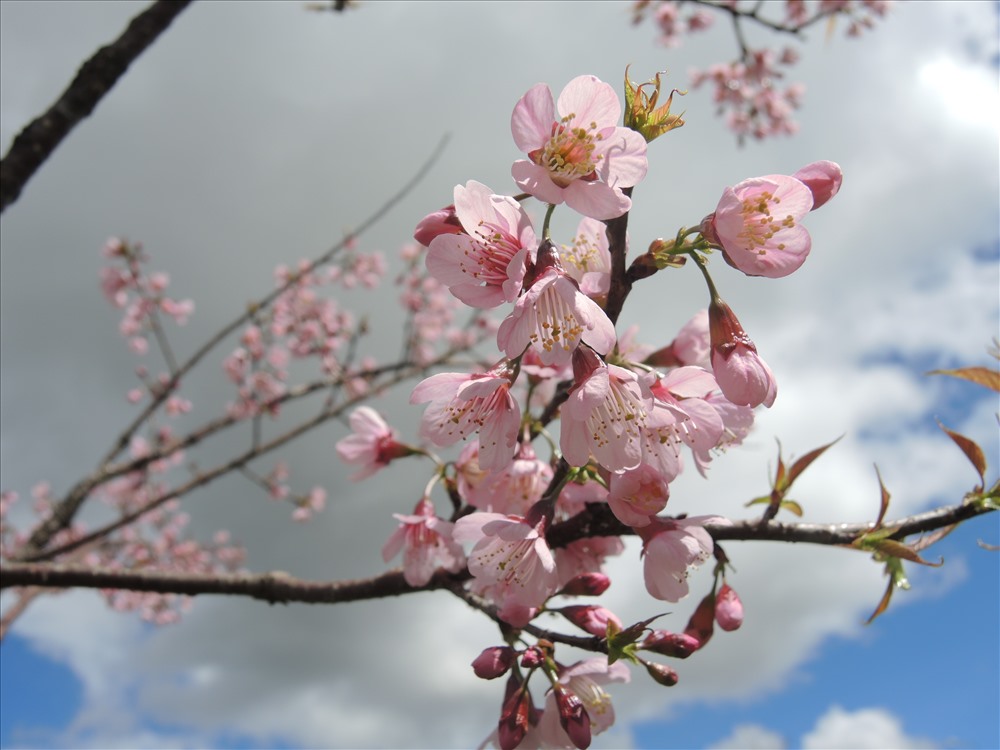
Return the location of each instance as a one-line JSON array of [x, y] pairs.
[[626, 411]]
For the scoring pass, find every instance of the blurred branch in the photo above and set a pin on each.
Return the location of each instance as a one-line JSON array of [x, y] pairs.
[[96, 77], [280, 587], [64, 512]]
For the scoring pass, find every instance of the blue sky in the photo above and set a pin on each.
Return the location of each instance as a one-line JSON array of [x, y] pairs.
[[226, 164]]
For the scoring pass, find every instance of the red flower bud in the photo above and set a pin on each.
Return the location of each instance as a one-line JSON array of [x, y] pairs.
[[573, 717], [493, 662], [662, 673], [700, 625], [677, 645], [514, 714], [442, 221], [532, 657]]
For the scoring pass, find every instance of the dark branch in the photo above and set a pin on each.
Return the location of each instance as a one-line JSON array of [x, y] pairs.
[[95, 79], [280, 587]]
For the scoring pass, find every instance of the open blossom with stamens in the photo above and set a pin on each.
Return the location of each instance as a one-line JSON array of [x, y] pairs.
[[512, 555], [637, 494], [588, 259], [579, 156], [669, 549], [745, 378], [586, 679], [757, 225], [484, 265], [604, 414], [427, 544], [462, 404], [372, 445], [554, 316], [513, 489]]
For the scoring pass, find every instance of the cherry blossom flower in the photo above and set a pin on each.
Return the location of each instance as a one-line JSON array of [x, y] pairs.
[[513, 489], [484, 265], [427, 544], [745, 379], [373, 444], [588, 259], [586, 679], [637, 494], [553, 317], [670, 548], [511, 555], [757, 225], [580, 156], [604, 414], [462, 404]]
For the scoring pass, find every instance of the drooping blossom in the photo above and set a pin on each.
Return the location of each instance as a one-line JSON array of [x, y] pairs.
[[553, 316], [588, 259], [757, 225], [427, 544], [670, 549], [728, 609], [604, 414], [372, 445], [637, 494], [462, 404], [577, 153], [484, 265], [745, 378], [510, 555]]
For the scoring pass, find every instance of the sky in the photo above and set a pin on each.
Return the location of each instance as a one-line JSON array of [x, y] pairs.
[[253, 134]]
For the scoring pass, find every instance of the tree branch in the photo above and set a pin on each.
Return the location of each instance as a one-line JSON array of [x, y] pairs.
[[281, 587], [95, 79]]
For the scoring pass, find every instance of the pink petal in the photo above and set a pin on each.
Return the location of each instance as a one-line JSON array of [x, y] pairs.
[[591, 100], [531, 122]]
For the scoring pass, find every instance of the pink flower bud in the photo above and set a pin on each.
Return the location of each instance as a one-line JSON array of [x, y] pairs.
[[592, 618], [532, 657], [745, 379], [442, 221], [493, 662], [677, 645], [728, 609], [587, 584], [823, 178], [573, 717], [663, 674]]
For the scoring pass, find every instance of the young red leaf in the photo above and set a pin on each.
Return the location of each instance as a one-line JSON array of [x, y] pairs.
[[981, 375], [971, 450]]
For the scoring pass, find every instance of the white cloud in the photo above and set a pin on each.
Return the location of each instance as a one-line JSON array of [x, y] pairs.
[[750, 737], [864, 729]]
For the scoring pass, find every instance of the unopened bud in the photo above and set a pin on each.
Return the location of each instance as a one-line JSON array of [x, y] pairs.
[[700, 626], [493, 662], [677, 645], [587, 584], [661, 673], [591, 617], [533, 656], [573, 717], [823, 178], [442, 221], [728, 609], [514, 715]]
